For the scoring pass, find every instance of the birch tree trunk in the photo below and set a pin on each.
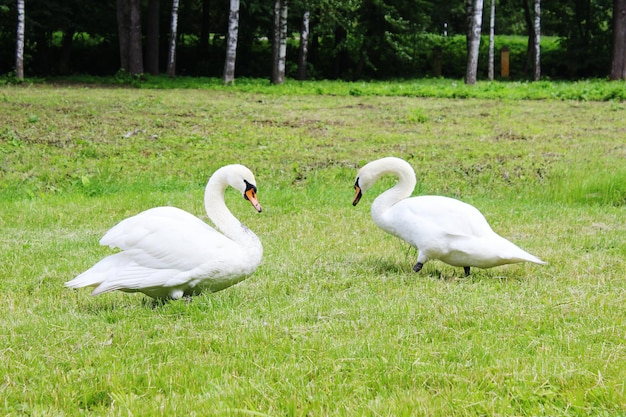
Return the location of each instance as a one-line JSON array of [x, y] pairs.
[[275, 41], [304, 46], [231, 42], [492, 23], [474, 23], [19, 47], [171, 50], [279, 48], [618, 58], [537, 42]]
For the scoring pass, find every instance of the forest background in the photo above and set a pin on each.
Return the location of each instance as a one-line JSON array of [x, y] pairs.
[[349, 40]]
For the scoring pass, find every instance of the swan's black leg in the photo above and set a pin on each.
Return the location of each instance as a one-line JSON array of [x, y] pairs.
[[467, 270], [418, 267]]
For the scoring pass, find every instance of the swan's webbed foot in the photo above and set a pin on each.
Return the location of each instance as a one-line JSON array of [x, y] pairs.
[[418, 267], [467, 270]]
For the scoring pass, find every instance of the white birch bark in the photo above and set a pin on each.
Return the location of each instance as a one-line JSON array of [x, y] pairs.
[[19, 47], [279, 45], [275, 42], [304, 46], [231, 42], [537, 50], [282, 49], [171, 50], [492, 24], [475, 14]]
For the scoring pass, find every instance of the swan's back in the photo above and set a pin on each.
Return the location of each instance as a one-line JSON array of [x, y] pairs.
[[160, 227], [448, 214]]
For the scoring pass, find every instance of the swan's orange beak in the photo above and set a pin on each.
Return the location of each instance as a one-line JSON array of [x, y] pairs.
[[358, 195], [251, 197]]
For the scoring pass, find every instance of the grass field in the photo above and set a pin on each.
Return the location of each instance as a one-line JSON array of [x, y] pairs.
[[334, 322]]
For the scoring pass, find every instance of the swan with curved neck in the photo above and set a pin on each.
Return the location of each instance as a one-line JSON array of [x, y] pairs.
[[167, 252], [439, 227]]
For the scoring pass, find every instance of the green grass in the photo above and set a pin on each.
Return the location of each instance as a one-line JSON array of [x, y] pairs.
[[583, 90], [334, 321]]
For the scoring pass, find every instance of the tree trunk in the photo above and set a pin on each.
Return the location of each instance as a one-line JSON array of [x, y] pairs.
[[41, 57], [152, 38], [171, 50], [618, 59], [66, 51], [279, 47], [129, 32], [19, 47], [530, 27], [122, 12], [282, 62], [474, 22], [492, 23], [203, 41], [231, 42], [304, 46], [135, 58], [275, 40], [341, 51], [537, 42]]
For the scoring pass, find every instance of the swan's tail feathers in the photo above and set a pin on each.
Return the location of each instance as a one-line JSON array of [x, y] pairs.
[[121, 272], [90, 278], [86, 279], [527, 257], [535, 260], [514, 253], [133, 278], [510, 253], [98, 275]]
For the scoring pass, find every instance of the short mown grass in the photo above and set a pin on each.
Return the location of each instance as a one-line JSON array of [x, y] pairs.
[[334, 321]]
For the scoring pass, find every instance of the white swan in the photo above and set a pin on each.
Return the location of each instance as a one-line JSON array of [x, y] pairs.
[[169, 253], [439, 227]]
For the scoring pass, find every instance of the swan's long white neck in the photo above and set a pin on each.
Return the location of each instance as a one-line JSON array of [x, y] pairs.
[[400, 191], [220, 215]]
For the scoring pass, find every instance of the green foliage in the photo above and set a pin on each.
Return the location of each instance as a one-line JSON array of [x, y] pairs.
[[351, 40], [334, 321], [10, 78]]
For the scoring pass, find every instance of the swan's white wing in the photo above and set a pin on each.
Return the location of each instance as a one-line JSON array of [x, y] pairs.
[[443, 215], [121, 272], [163, 247], [129, 232]]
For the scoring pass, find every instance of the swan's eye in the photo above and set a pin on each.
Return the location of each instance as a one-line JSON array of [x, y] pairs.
[[356, 184]]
